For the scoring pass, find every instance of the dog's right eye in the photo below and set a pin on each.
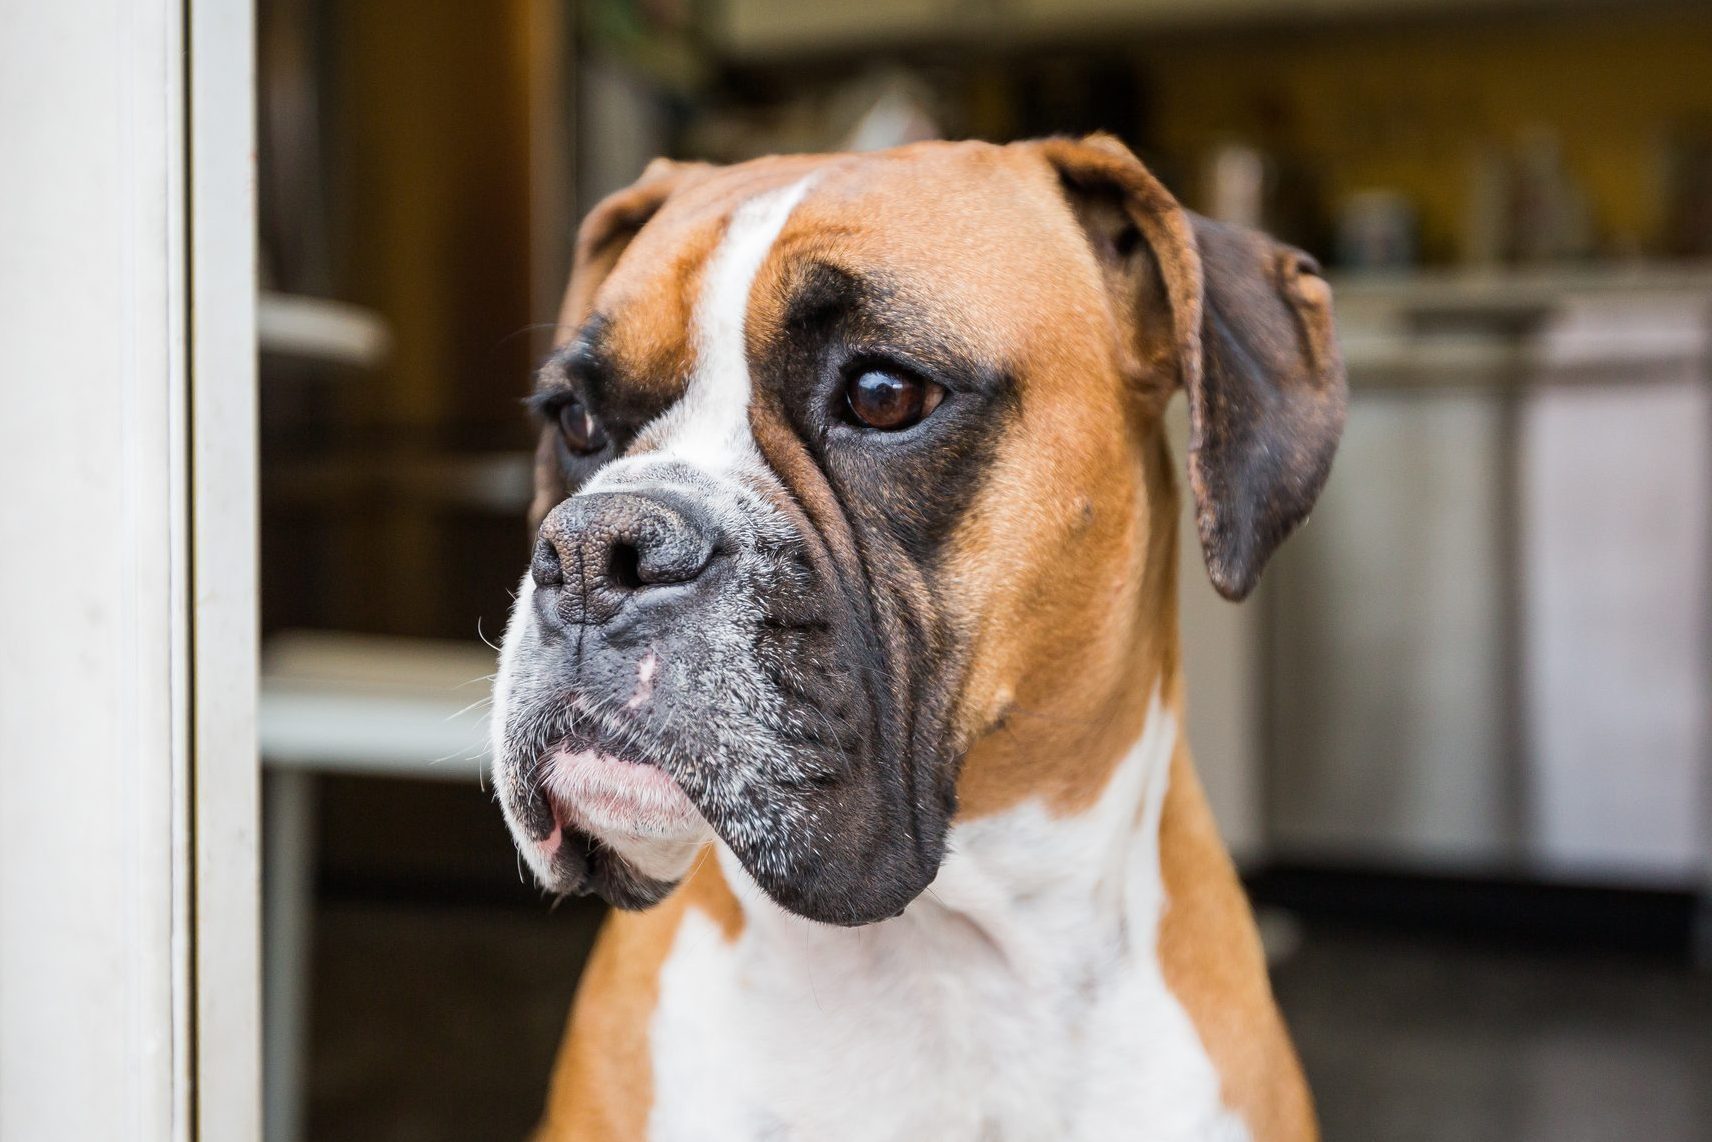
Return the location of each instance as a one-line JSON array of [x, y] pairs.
[[890, 400], [578, 428]]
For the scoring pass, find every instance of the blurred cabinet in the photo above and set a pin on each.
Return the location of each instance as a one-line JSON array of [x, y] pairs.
[[1489, 651], [1615, 589], [773, 28], [776, 27], [1385, 733], [1047, 17]]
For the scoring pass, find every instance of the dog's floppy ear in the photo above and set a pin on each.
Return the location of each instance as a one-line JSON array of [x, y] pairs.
[[608, 229], [1252, 341]]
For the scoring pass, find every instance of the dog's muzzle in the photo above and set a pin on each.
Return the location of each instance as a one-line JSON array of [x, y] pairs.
[[682, 665]]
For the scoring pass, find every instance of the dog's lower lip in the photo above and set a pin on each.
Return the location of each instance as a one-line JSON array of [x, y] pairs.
[[592, 789]]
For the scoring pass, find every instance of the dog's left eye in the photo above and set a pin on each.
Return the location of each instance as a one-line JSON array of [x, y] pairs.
[[890, 400], [578, 427]]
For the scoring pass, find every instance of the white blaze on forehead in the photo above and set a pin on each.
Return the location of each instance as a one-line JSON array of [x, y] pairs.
[[709, 426]]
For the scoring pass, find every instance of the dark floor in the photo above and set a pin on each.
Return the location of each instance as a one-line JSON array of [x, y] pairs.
[[1411, 1041], [435, 1022]]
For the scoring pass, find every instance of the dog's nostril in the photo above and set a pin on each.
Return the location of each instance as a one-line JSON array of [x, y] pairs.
[[624, 566], [610, 545], [545, 567]]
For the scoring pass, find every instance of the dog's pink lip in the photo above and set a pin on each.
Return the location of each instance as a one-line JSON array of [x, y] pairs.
[[599, 792]]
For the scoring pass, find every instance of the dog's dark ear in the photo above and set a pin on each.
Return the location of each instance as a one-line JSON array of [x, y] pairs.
[[1252, 342], [1268, 408], [608, 229]]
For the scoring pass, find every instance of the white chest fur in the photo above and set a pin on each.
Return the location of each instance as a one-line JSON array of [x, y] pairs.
[[1021, 997]]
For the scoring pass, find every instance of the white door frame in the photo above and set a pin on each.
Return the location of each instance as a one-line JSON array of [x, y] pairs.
[[128, 996]]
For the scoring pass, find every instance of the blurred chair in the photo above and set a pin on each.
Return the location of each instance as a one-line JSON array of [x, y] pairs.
[[349, 704]]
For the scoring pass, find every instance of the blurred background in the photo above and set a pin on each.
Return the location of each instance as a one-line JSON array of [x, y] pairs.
[[1460, 740]]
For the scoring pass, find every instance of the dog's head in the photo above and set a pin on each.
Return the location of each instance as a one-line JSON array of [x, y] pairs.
[[835, 451]]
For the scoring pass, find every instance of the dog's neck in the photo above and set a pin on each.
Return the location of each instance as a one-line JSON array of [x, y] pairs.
[[1037, 857], [1051, 889]]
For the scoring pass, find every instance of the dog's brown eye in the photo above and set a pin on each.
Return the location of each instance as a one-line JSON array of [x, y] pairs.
[[578, 428], [890, 401]]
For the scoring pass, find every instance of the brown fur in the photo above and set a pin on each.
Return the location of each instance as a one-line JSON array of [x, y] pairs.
[[1068, 553], [1213, 962]]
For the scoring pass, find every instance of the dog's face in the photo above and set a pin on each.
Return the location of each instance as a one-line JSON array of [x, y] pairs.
[[836, 449]]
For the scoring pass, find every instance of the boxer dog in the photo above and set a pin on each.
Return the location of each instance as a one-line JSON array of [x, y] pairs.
[[846, 662]]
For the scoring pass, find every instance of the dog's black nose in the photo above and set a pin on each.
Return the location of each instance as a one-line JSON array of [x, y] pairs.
[[595, 551]]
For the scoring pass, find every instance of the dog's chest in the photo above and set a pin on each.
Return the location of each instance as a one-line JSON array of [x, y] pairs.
[[981, 1013]]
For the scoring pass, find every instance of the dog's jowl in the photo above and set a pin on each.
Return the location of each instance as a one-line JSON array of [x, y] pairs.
[[846, 661]]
